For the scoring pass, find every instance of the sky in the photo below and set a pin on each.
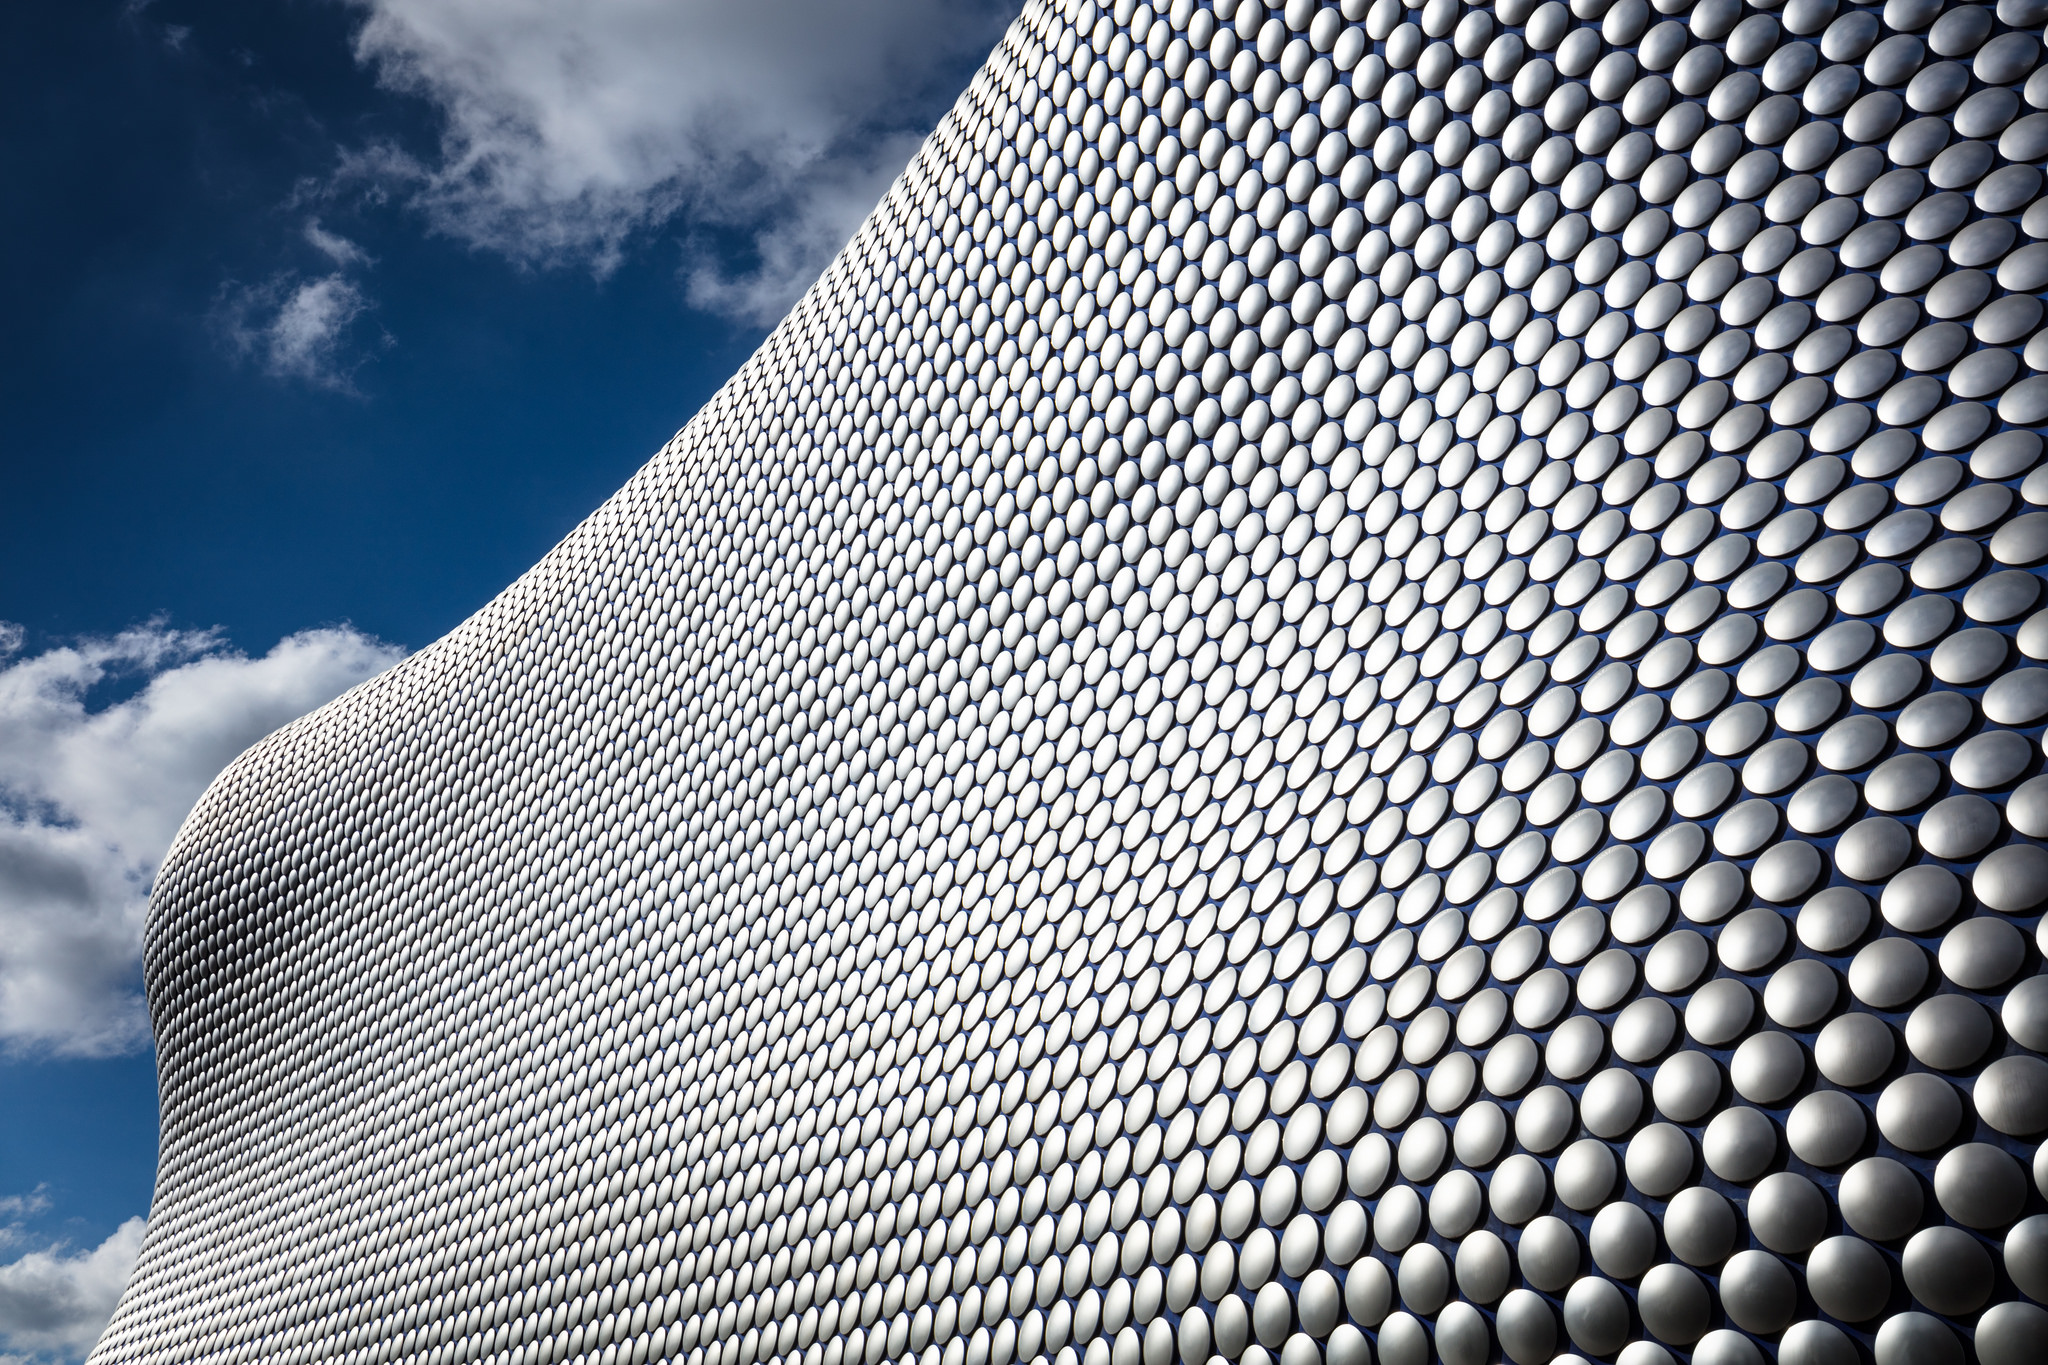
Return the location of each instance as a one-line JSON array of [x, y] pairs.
[[326, 319]]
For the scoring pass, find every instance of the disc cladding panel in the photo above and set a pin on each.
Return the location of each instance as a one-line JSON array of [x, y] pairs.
[[1361, 684]]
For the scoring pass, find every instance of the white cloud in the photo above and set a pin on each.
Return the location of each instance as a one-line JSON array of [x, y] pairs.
[[15, 1207], [91, 795], [334, 246], [55, 1303], [306, 333], [570, 127], [297, 328]]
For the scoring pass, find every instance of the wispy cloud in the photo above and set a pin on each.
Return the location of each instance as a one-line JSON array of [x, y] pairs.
[[90, 796], [298, 328], [334, 246], [14, 1207], [567, 129], [172, 36], [55, 1303]]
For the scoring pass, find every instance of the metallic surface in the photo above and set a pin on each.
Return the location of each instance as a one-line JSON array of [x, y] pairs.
[[1360, 685]]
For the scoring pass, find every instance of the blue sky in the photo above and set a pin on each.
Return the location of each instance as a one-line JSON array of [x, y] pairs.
[[326, 319]]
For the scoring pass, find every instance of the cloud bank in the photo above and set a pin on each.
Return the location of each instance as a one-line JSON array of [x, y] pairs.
[[570, 127], [90, 796], [59, 1304]]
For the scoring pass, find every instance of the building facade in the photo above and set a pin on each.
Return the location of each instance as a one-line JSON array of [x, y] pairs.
[[1361, 685]]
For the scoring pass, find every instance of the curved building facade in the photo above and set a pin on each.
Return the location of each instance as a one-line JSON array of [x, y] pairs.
[[1361, 685]]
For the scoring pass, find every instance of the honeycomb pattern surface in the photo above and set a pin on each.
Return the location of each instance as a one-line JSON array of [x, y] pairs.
[[1364, 684]]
